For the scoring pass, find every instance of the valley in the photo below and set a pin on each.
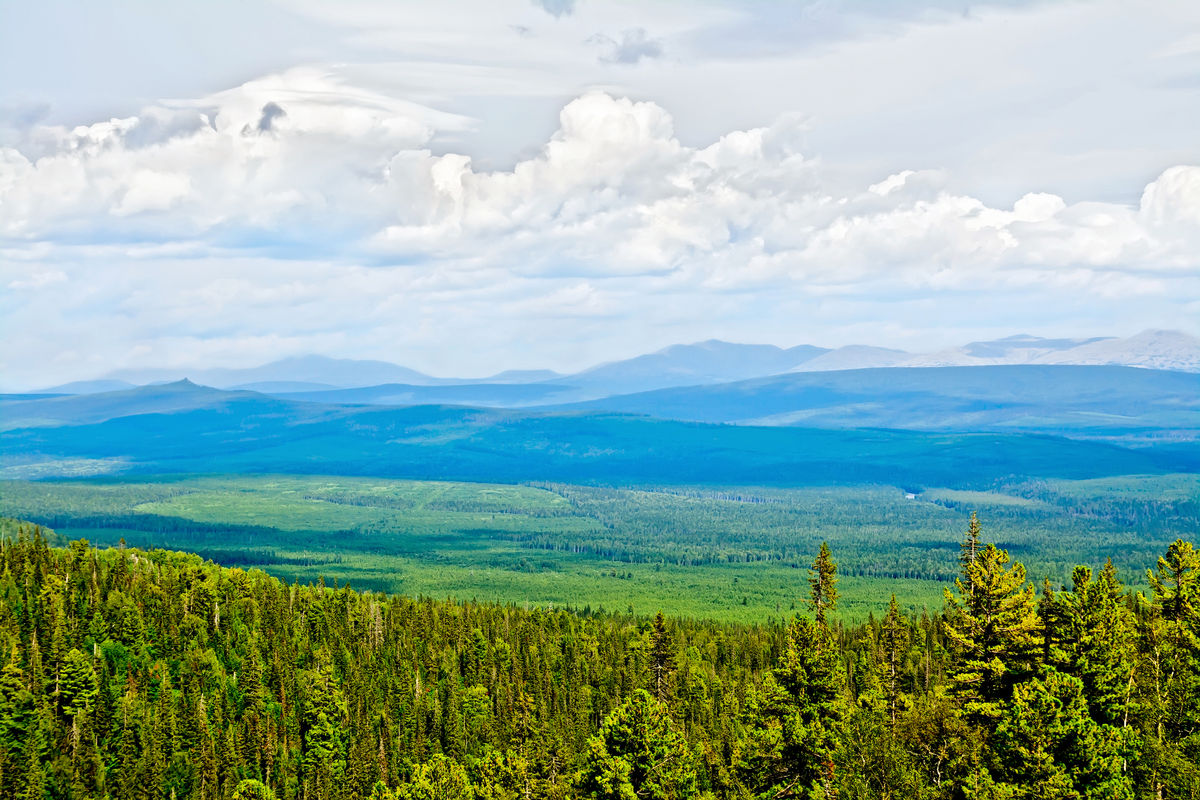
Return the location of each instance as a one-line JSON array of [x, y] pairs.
[[705, 552]]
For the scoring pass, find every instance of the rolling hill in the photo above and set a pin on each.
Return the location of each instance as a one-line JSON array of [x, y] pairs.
[[187, 428], [1065, 400]]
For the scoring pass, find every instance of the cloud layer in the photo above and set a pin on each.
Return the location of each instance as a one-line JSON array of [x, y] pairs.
[[325, 209], [302, 166]]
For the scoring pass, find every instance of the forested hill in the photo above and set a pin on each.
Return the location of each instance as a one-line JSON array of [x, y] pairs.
[[132, 674]]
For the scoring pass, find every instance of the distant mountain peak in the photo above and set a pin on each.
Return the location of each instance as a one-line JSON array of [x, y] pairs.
[[310, 369], [700, 363]]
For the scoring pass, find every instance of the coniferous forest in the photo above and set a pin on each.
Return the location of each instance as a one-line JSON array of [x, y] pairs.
[[133, 674]]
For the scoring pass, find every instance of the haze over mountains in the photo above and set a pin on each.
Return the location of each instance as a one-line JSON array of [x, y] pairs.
[[703, 363], [181, 427], [666, 416]]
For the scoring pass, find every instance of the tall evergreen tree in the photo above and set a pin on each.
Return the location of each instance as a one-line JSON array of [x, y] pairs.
[[822, 580], [1169, 675], [1046, 745], [794, 716], [893, 648], [1091, 633], [637, 753], [969, 551], [662, 656], [993, 630], [1176, 582]]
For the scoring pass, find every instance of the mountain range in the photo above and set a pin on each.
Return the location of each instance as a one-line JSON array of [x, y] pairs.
[[711, 412], [181, 427], [703, 363]]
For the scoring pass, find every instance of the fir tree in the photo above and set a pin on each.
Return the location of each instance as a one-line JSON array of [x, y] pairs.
[[1091, 634], [637, 753], [793, 718], [1046, 745], [1176, 582], [822, 581], [893, 645], [662, 657], [993, 630], [969, 551]]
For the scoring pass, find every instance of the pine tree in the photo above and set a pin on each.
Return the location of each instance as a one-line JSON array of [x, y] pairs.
[[79, 683], [638, 753], [993, 630], [1176, 583], [252, 790], [893, 644], [1170, 674], [662, 657], [439, 778], [969, 551], [1046, 745], [793, 718], [1090, 633], [823, 583], [128, 748]]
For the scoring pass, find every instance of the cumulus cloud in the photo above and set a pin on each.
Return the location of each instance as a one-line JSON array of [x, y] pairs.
[[214, 225], [612, 192]]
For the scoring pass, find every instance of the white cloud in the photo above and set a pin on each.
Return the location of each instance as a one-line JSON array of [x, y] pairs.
[[303, 212], [340, 170], [1173, 199], [890, 184], [150, 190]]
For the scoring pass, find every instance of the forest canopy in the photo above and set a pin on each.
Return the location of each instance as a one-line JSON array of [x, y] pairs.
[[155, 674]]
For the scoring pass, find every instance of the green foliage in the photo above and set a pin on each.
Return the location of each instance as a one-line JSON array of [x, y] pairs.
[[78, 687], [681, 549], [662, 657], [992, 628], [637, 753], [1046, 745], [822, 583], [132, 674], [1176, 583], [252, 790], [1090, 632], [440, 778], [793, 715]]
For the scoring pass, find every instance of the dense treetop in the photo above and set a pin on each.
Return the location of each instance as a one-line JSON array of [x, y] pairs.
[[152, 674]]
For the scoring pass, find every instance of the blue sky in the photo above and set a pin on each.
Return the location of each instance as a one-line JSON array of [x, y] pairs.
[[470, 187]]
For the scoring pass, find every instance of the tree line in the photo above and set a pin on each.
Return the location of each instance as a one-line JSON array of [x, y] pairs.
[[138, 675]]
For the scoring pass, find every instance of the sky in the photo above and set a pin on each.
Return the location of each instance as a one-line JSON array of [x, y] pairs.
[[468, 187]]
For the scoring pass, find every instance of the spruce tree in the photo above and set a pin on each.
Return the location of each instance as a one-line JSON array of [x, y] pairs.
[[969, 551], [1091, 634], [993, 631], [1176, 582], [1046, 745], [662, 657], [1170, 674], [637, 753], [893, 646], [822, 581], [792, 719]]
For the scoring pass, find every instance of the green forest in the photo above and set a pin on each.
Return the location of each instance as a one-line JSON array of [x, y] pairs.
[[151, 674], [727, 553]]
